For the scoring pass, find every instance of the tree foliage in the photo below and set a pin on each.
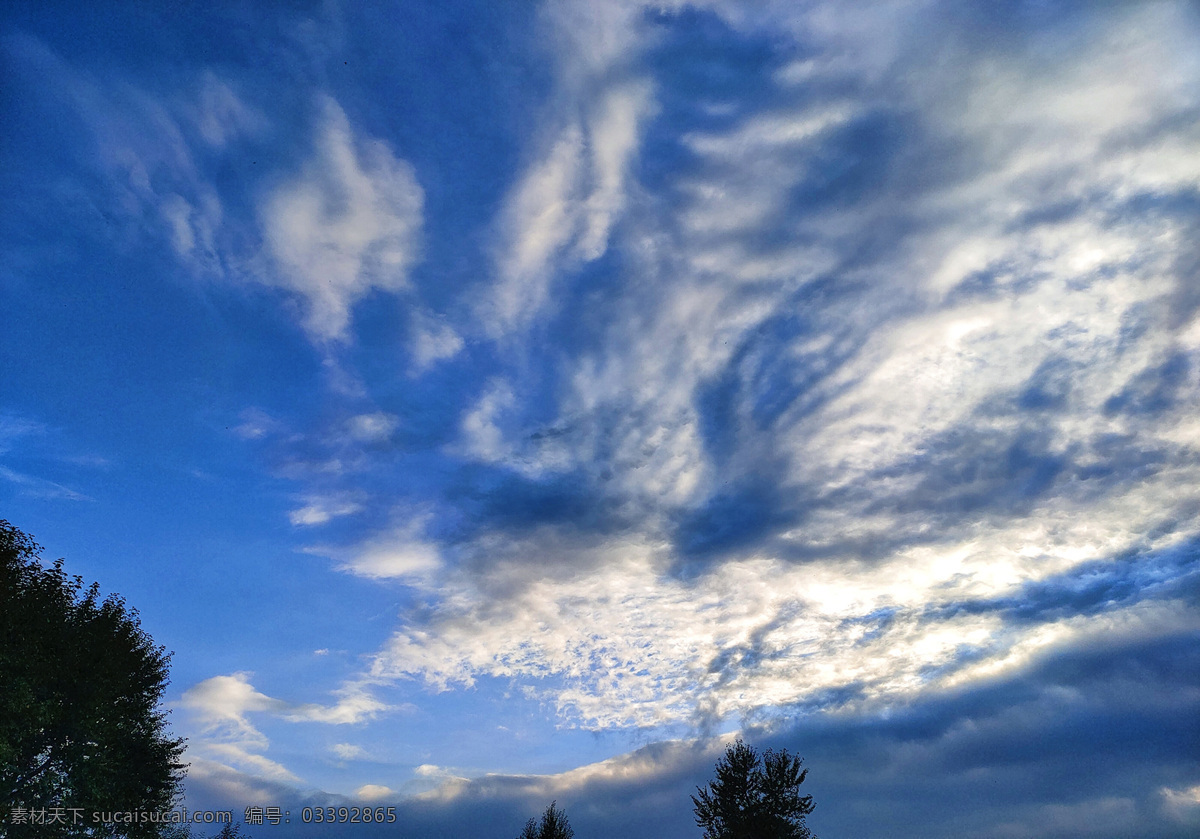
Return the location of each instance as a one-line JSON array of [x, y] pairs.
[[230, 831], [754, 796], [80, 727], [553, 825]]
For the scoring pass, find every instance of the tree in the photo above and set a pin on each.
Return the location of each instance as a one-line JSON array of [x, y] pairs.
[[754, 797], [553, 826], [80, 727], [230, 831]]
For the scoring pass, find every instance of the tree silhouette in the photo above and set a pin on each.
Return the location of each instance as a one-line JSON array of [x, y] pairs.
[[553, 825], [230, 831], [80, 726], [754, 797]]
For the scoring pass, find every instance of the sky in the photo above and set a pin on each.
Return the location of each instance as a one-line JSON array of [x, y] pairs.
[[492, 404]]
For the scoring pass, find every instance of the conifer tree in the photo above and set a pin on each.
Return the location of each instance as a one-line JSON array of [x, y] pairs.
[[553, 825], [754, 796]]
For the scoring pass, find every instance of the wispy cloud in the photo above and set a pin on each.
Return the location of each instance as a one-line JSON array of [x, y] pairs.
[[222, 706], [40, 487], [348, 222], [349, 751], [852, 407], [433, 342], [825, 372], [401, 553], [341, 223], [322, 509], [561, 211], [375, 427]]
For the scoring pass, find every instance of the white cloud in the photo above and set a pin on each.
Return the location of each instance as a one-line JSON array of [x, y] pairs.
[[373, 792], [482, 437], [256, 424], [433, 342], [13, 427], [239, 756], [355, 704], [310, 515], [228, 784], [613, 139], [895, 361], [612, 642], [400, 560], [321, 510], [349, 751], [623, 772], [562, 210], [40, 487], [401, 553], [222, 706], [348, 223], [223, 703], [375, 427], [437, 783], [141, 147], [222, 115], [541, 219], [1183, 804]]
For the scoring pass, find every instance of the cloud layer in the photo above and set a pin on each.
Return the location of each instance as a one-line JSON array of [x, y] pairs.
[[348, 223], [644, 373], [878, 347]]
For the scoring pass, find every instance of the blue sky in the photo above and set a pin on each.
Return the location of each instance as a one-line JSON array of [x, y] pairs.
[[498, 403]]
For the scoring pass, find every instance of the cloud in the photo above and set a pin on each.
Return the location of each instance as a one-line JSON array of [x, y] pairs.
[[482, 437], [321, 510], [1183, 804], [36, 487], [221, 707], [37, 447], [355, 704], [862, 395], [375, 427], [1105, 706], [373, 792], [141, 147], [620, 775], [223, 116], [560, 213], [212, 785], [613, 134], [1014, 745], [542, 220], [400, 553], [910, 353], [256, 424], [433, 342], [241, 756], [349, 751], [619, 645], [348, 223], [14, 427]]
